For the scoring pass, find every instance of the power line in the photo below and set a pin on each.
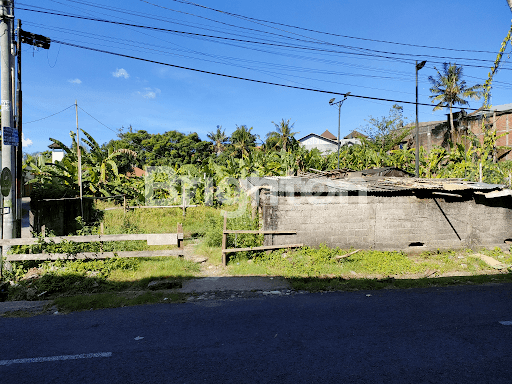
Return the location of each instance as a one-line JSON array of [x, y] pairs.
[[166, 19], [260, 31], [229, 61], [252, 80], [268, 64], [322, 32], [97, 119], [274, 44], [33, 121], [113, 9]]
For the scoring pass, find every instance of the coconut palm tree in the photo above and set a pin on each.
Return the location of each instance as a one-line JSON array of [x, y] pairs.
[[243, 140], [282, 137], [448, 89], [219, 139]]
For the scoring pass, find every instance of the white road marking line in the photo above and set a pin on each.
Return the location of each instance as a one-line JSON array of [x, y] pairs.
[[506, 322], [56, 358]]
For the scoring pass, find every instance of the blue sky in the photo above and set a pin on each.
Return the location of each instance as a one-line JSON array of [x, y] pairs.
[[114, 92]]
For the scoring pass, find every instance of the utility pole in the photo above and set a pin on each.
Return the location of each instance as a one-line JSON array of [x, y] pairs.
[[37, 41], [8, 182], [19, 152], [79, 161], [339, 104], [41, 42], [417, 173]]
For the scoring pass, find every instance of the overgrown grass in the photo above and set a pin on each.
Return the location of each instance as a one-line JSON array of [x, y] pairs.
[[77, 276], [316, 284], [109, 283], [112, 300], [94, 276], [311, 262], [158, 220]]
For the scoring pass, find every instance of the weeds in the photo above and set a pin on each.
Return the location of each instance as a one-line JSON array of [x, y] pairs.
[[306, 268], [317, 262], [110, 300]]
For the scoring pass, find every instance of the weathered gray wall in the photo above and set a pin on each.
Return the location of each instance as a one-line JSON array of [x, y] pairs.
[[389, 222]]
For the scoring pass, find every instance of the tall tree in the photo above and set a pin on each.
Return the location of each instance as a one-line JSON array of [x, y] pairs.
[[282, 137], [386, 132], [242, 140], [448, 89], [168, 148], [219, 139]]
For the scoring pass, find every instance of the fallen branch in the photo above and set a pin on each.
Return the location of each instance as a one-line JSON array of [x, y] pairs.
[[346, 255], [429, 274]]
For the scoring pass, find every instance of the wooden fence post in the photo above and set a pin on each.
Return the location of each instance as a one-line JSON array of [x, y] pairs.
[[43, 232], [179, 230], [224, 240], [184, 204], [124, 203]]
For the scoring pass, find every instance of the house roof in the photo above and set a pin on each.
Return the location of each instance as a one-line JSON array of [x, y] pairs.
[[328, 135], [320, 137], [496, 108], [54, 146], [137, 172], [503, 107], [424, 123], [355, 135]]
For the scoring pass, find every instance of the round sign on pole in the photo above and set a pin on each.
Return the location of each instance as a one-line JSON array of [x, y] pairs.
[[5, 181]]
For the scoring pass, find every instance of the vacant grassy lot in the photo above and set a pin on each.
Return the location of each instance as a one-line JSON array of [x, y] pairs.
[[118, 281]]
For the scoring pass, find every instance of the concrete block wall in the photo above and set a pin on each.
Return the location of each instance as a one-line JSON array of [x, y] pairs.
[[389, 222]]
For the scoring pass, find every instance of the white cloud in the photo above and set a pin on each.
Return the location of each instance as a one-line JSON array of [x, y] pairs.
[[120, 72], [149, 93], [24, 141], [75, 81]]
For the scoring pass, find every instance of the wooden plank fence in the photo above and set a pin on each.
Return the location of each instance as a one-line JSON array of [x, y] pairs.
[[126, 207], [225, 233], [151, 239]]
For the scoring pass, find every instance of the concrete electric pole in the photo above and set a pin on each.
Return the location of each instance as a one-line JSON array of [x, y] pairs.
[[7, 178], [19, 127], [339, 104]]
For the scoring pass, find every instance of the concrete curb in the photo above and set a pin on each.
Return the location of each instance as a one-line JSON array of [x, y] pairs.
[[234, 283], [29, 306], [224, 284]]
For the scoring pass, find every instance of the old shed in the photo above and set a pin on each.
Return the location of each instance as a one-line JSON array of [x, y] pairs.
[[373, 211]]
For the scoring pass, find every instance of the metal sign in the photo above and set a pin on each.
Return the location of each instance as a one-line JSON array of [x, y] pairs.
[[6, 181], [10, 136]]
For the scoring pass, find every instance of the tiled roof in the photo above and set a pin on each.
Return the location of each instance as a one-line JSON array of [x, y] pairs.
[[329, 135]]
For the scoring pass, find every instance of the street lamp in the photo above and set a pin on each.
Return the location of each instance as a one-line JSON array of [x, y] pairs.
[[339, 104], [418, 67]]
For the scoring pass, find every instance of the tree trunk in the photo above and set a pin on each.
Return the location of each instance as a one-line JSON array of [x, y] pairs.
[[452, 126]]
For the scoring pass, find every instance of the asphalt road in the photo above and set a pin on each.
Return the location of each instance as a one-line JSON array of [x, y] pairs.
[[443, 335]]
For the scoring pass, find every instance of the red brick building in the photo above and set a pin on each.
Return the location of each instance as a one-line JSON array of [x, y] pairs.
[[437, 133]]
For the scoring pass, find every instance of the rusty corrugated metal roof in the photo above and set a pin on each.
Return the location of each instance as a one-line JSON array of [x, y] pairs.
[[310, 183]]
